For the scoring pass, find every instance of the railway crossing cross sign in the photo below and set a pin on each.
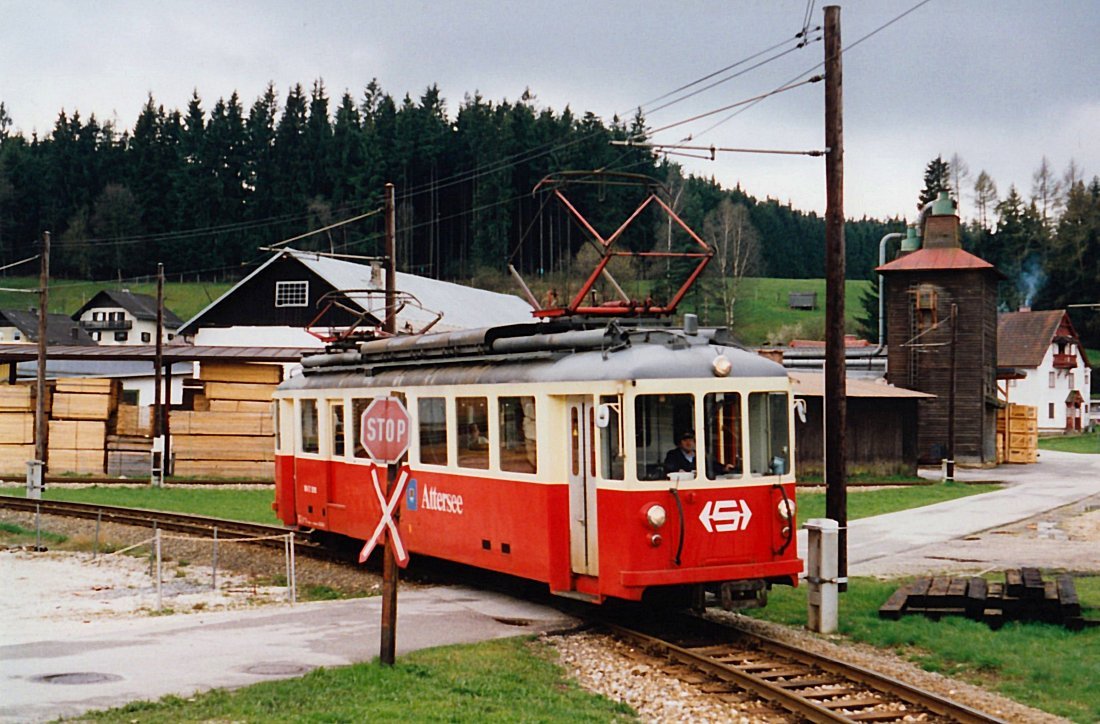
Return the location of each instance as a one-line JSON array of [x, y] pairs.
[[384, 429], [386, 521]]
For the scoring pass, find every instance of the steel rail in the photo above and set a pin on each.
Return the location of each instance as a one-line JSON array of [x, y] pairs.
[[784, 695], [177, 522]]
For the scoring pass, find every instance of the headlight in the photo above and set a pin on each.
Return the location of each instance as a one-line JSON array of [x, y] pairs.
[[721, 366], [655, 516], [786, 509]]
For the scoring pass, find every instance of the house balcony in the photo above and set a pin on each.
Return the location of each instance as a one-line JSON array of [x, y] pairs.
[[1065, 361], [106, 325]]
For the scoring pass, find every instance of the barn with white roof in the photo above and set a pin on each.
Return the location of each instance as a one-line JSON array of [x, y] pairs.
[[299, 299]]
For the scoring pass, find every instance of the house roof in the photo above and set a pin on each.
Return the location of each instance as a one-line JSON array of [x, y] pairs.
[[1024, 337], [462, 307], [812, 384], [142, 306], [937, 259], [60, 329]]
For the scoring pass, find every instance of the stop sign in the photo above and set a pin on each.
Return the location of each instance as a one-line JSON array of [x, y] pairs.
[[384, 429]]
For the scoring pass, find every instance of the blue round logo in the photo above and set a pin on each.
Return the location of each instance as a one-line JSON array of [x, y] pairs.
[[410, 495]]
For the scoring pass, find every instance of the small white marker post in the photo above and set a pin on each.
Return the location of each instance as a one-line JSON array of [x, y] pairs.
[[821, 574]]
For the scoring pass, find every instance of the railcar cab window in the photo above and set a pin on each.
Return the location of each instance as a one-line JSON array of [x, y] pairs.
[[660, 422], [769, 431], [309, 438], [611, 443], [722, 417], [518, 449], [358, 404], [472, 414], [432, 424]]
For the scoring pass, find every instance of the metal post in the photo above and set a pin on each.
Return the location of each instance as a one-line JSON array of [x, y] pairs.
[[156, 546], [949, 466], [214, 563], [836, 407], [821, 574], [293, 580], [98, 521], [37, 527], [391, 262], [36, 477]]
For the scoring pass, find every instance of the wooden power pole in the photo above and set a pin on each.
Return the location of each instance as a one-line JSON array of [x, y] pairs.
[[836, 402], [388, 651], [36, 471]]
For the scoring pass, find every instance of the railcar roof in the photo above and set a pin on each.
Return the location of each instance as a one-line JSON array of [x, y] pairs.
[[511, 356]]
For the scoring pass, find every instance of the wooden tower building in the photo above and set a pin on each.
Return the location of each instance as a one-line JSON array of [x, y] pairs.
[[923, 284]]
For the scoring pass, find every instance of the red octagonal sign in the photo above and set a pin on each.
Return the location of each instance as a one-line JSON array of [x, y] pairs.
[[384, 429]]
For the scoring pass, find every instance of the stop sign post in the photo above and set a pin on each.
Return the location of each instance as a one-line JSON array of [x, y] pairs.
[[384, 434]]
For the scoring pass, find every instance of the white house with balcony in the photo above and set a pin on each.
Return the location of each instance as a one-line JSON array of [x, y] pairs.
[[1044, 348], [122, 317]]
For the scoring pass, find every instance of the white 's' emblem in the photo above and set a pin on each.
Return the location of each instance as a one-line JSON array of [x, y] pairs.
[[725, 515]]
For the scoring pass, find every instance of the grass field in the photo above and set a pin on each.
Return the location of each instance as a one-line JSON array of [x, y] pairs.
[[1043, 665], [66, 296], [497, 681], [252, 506], [1084, 443], [865, 503]]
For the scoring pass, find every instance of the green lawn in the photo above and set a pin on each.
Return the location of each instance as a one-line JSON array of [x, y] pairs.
[[1084, 443], [865, 503], [1043, 665], [252, 506], [497, 681], [66, 296]]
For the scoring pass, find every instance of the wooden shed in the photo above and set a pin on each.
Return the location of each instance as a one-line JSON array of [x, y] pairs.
[[882, 425]]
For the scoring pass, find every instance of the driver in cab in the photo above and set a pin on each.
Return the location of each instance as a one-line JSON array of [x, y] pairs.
[[681, 459]]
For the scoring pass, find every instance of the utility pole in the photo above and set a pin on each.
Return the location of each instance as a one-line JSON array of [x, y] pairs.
[[836, 393], [388, 650], [949, 467], [36, 469], [159, 448]]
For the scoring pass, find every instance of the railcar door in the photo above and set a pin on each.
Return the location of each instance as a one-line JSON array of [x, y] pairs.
[[583, 541]]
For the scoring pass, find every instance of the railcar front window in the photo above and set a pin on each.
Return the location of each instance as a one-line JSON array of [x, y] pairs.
[[769, 443], [310, 441], [432, 421], [611, 444], [518, 448], [722, 418], [473, 423], [664, 435]]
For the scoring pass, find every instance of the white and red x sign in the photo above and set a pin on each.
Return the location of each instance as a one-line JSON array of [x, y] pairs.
[[387, 521]]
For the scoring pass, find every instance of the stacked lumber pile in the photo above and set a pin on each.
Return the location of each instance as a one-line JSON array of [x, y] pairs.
[[16, 428], [230, 432], [1024, 596], [83, 409], [130, 446], [1018, 434]]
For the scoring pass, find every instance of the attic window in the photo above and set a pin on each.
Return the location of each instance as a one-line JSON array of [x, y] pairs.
[[291, 294]]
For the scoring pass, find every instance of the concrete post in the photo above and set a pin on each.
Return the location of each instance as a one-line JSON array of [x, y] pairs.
[[34, 479], [821, 574]]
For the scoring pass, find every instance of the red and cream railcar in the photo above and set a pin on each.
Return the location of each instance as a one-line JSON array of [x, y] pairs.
[[538, 450]]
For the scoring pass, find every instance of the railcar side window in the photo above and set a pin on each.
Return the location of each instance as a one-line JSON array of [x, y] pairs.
[[722, 418], [769, 446], [358, 404], [473, 426], [275, 420], [432, 422], [660, 421], [338, 429], [310, 443], [611, 444], [518, 449]]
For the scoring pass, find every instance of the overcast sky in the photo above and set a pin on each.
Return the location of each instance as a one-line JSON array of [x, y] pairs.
[[1002, 83]]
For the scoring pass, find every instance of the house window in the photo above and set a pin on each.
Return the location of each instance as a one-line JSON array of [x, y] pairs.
[[122, 336], [1071, 385], [146, 337], [1050, 410], [1052, 380], [291, 294], [1012, 383], [97, 316], [96, 336], [16, 336]]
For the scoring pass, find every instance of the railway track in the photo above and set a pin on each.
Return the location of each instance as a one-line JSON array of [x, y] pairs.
[[197, 525], [720, 659]]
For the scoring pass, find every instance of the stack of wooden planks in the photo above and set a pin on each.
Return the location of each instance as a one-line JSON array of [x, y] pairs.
[[16, 428], [83, 410], [1018, 434], [1024, 596], [230, 433]]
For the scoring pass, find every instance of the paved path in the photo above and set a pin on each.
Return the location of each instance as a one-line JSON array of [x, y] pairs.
[[150, 657], [1058, 479]]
